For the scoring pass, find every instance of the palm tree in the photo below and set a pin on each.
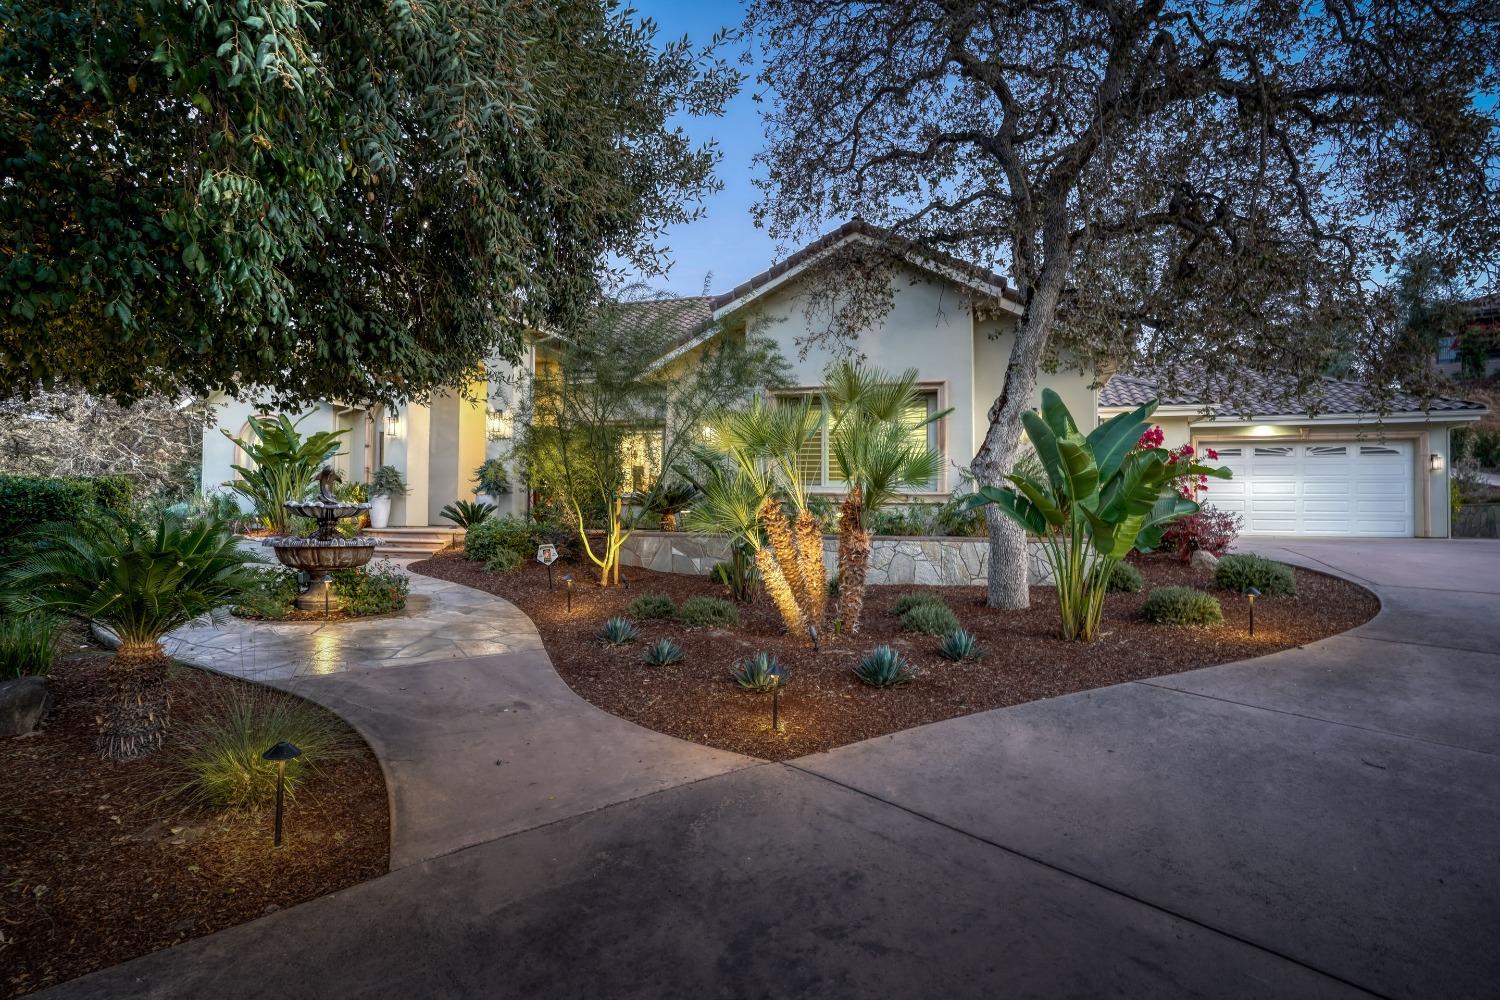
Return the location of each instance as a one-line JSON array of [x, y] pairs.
[[140, 579], [761, 442], [873, 449]]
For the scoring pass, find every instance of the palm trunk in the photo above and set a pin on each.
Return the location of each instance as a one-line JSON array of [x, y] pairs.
[[780, 591], [814, 574], [134, 722], [773, 520], [854, 562]]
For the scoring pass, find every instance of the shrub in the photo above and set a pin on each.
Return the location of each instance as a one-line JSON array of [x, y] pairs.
[[930, 618], [759, 673], [701, 611], [28, 502], [617, 632], [378, 589], [1124, 579], [739, 574], [959, 646], [467, 513], [492, 478], [1210, 530], [910, 600], [662, 653], [387, 482], [883, 667], [495, 533], [221, 762], [504, 561], [1182, 606], [650, 606], [1236, 572], [28, 645], [272, 594]]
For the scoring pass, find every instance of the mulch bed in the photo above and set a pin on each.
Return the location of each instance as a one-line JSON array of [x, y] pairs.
[[96, 867], [824, 705]]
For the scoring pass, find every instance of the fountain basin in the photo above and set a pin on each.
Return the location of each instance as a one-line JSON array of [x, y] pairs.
[[319, 558]]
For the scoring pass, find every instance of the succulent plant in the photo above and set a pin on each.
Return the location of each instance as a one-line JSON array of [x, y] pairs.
[[662, 653], [760, 673], [883, 667], [959, 646], [617, 632]]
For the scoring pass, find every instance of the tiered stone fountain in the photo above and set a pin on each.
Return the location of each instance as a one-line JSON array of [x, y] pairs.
[[324, 551]]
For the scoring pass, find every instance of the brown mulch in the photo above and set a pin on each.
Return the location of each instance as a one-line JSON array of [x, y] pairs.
[[96, 867], [824, 705]]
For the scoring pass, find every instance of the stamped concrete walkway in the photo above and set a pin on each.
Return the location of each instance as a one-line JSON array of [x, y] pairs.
[[1319, 823]]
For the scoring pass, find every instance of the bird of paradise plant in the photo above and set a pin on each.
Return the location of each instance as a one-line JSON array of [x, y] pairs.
[[1102, 497]]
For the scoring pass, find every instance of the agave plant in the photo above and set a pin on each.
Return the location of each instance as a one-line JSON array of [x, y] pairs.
[[617, 632], [884, 667], [1101, 498], [284, 465], [140, 578], [662, 653], [467, 513], [960, 646], [872, 446], [759, 673]]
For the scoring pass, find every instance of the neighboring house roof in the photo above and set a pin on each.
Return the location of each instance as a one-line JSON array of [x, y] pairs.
[[1259, 395], [684, 318], [935, 261], [1485, 309]]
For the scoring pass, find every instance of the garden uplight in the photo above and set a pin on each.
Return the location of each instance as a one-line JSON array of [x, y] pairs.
[[1251, 593], [280, 754]]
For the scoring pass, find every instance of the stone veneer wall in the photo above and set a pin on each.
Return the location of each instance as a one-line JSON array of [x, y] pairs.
[[935, 561]]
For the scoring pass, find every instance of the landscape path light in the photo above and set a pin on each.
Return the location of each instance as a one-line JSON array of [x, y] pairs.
[[568, 582], [1251, 594], [280, 754]]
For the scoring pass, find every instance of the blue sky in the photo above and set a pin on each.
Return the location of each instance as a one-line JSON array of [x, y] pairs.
[[725, 243]]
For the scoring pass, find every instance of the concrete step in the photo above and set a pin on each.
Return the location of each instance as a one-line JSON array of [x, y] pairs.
[[416, 542]]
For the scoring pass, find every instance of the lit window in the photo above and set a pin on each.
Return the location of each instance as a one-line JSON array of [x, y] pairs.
[[640, 456], [815, 462]]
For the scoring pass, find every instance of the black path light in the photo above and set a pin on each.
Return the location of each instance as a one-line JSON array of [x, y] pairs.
[[280, 754], [568, 581], [1251, 594], [778, 679]]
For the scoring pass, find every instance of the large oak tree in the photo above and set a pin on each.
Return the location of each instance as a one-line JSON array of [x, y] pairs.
[[355, 200], [1186, 186]]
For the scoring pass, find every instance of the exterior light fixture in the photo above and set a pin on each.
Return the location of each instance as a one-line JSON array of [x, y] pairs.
[[280, 754], [499, 425], [392, 422], [776, 705], [1250, 595], [1435, 462], [568, 582]]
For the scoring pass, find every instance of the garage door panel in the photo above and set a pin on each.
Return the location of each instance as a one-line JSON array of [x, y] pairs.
[[1328, 488]]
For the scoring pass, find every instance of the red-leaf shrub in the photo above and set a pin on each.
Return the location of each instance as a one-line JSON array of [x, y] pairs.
[[1210, 530]]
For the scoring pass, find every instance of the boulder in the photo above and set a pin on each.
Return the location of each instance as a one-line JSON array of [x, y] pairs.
[[1204, 560], [23, 702]]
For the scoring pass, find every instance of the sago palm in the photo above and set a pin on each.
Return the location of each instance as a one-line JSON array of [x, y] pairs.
[[873, 449], [140, 579]]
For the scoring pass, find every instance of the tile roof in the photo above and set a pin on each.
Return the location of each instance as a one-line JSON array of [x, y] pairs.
[[683, 317], [1485, 309], [1258, 395], [859, 227]]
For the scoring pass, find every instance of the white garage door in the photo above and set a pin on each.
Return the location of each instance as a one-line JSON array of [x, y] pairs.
[[1329, 488]]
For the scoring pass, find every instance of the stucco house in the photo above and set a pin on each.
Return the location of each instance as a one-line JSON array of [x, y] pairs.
[[1320, 466]]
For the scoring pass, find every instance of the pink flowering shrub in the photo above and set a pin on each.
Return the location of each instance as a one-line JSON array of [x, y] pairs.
[[1187, 486]]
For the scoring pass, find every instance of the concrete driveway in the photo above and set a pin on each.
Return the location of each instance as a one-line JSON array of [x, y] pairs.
[[1318, 823]]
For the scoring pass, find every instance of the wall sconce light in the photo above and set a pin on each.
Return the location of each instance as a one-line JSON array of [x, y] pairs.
[[279, 755], [1435, 462], [499, 425], [1251, 594], [392, 422]]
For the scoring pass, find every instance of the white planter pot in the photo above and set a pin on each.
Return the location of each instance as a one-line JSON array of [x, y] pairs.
[[380, 511]]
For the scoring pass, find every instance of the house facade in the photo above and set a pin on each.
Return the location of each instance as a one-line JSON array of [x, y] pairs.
[[1339, 472]]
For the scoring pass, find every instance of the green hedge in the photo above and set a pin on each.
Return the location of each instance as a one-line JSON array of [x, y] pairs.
[[27, 502]]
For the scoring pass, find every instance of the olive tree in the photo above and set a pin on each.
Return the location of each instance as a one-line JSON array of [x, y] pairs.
[[1180, 185]]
